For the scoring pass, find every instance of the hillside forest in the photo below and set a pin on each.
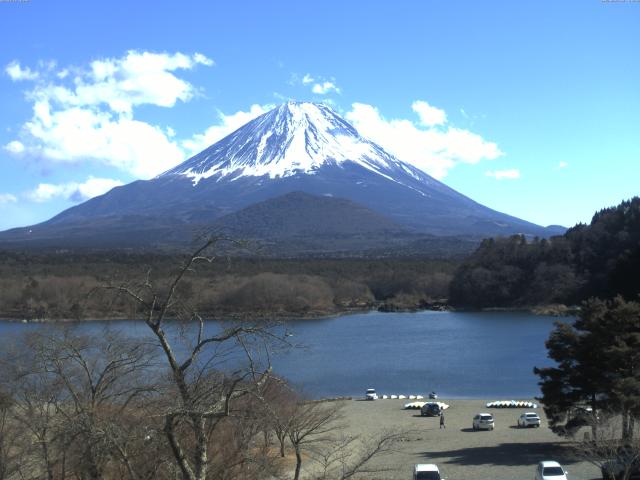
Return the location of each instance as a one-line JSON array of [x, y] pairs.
[[601, 259]]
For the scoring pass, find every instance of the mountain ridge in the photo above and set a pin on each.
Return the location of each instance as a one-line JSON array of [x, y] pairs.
[[296, 147]]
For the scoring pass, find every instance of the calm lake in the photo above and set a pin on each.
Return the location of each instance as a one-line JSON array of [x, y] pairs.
[[457, 354]]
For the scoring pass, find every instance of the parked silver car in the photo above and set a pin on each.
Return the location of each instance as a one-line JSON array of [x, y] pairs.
[[529, 419], [483, 421]]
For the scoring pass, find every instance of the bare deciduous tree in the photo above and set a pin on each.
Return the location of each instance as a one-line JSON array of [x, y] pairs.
[[278, 403], [75, 396], [348, 456], [34, 396], [616, 458], [310, 424], [315, 431], [203, 395], [10, 436]]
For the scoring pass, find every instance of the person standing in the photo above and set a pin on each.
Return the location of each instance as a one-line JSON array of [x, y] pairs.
[[442, 421]]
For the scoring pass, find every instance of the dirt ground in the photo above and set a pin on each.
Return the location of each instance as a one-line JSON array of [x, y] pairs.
[[508, 452]]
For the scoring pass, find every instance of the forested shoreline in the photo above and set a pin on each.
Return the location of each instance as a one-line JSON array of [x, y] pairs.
[[69, 286], [596, 260]]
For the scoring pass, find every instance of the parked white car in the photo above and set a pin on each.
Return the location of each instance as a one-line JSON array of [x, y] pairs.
[[550, 470], [426, 471], [529, 419], [371, 394], [483, 421]]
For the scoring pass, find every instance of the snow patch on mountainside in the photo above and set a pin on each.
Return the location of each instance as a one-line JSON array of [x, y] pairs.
[[294, 138]]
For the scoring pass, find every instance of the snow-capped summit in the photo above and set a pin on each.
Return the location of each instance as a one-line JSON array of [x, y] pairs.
[[299, 174], [294, 138]]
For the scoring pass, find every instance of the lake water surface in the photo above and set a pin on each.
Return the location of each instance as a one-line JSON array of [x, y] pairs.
[[457, 354]]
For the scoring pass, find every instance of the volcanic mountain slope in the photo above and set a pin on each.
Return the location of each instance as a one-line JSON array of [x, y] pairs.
[[296, 147], [299, 214]]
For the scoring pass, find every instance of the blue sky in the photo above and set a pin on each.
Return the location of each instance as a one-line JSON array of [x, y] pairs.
[[531, 108]]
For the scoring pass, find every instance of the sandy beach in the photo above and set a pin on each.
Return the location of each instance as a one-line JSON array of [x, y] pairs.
[[508, 452]]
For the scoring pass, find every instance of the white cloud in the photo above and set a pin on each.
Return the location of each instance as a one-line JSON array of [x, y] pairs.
[[76, 192], [429, 115], [563, 165], [7, 198], [512, 174], [135, 79], [17, 73], [200, 58], [75, 134], [434, 148], [319, 85], [323, 88], [14, 147], [121, 83], [87, 114], [227, 125]]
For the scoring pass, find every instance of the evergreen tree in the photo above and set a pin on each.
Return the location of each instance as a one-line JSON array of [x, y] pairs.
[[598, 365]]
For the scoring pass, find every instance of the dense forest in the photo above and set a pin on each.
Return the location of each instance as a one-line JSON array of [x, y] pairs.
[[601, 259], [67, 285]]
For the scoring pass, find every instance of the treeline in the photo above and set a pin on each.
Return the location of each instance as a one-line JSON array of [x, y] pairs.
[[67, 285], [596, 260]]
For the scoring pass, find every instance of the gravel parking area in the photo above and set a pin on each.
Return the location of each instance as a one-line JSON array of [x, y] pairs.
[[508, 452]]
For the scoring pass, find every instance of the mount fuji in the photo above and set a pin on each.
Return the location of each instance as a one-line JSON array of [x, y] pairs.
[[297, 171]]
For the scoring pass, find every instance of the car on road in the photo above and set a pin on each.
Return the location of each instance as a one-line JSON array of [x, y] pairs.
[[483, 421], [371, 394], [529, 419], [426, 471], [550, 470]]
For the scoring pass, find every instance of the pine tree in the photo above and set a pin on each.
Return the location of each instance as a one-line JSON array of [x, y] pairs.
[[598, 365]]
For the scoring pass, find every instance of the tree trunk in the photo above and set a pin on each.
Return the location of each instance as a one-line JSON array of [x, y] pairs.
[[625, 425], [296, 475], [63, 467], [45, 454], [179, 456], [127, 463], [201, 447], [282, 438], [594, 422], [92, 469]]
